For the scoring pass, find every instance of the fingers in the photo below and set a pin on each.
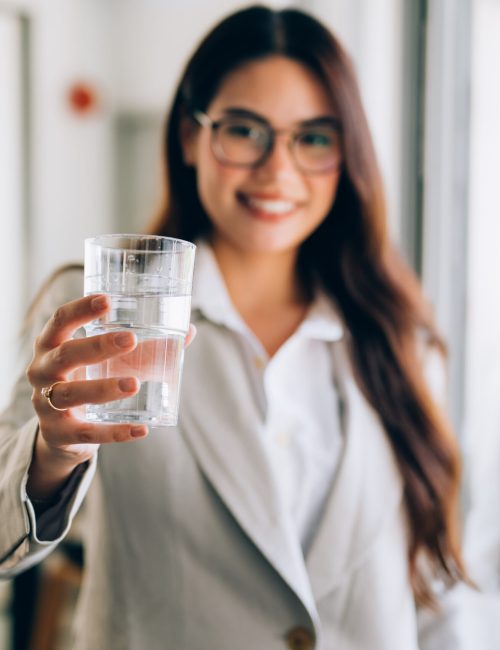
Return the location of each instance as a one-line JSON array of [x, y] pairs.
[[59, 362], [68, 318], [190, 336], [76, 353], [86, 433], [61, 429], [148, 359], [70, 394]]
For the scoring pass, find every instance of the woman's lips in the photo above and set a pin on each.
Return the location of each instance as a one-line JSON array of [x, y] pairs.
[[270, 209]]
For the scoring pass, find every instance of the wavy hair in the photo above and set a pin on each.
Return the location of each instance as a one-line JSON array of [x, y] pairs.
[[379, 297]]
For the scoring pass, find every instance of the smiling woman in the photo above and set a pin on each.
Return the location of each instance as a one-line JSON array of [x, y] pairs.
[[264, 192], [311, 460]]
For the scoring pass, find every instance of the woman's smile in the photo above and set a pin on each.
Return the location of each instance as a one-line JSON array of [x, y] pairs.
[[268, 207]]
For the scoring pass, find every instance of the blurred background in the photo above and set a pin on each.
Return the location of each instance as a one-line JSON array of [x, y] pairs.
[[84, 85]]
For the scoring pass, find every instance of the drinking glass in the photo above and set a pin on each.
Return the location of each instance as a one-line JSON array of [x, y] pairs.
[[148, 279]]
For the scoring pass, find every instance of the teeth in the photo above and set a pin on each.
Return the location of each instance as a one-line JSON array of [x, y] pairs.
[[270, 206]]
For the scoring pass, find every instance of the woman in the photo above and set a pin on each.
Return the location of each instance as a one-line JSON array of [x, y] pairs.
[[308, 496]]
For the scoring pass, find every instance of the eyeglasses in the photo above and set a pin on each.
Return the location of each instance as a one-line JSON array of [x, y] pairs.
[[247, 141]]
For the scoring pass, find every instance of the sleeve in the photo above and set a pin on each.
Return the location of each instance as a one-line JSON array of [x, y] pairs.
[[482, 449], [26, 538], [467, 618]]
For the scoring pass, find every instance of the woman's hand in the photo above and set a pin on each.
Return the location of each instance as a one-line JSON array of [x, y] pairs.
[[64, 440]]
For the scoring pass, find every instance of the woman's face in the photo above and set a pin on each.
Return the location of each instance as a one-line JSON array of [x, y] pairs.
[[275, 206]]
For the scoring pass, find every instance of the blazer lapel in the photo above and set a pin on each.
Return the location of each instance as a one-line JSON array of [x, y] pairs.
[[228, 447], [366, 488]]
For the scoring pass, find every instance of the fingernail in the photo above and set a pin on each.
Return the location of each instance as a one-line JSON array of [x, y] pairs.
[[190, 336], [99, 303], [124, 339], [138, 432], [127, 384]]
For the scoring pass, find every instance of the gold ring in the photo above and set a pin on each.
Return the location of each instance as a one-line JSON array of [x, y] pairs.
[[47, 393]]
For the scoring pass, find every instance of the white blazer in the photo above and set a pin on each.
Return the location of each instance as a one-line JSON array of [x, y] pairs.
[[186, 545]]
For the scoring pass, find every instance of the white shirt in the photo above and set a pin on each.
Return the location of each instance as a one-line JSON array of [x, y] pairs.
[[296, 391]]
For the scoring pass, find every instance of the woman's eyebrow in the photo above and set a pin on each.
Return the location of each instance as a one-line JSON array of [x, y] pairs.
[[331, 120], [236, 111]]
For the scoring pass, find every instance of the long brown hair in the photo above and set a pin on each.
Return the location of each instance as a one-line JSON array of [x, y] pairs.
[[379, 297]]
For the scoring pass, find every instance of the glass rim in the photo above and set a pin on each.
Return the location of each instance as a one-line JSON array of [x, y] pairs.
[[100, 240]]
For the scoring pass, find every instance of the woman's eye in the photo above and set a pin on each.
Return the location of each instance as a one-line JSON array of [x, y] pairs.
[[240, 131], [314, 139], [249, 133]]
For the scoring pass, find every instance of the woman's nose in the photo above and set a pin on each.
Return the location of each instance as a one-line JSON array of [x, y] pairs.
[[279, 161]]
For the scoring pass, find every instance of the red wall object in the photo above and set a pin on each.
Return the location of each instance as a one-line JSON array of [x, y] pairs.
[[82, 98]]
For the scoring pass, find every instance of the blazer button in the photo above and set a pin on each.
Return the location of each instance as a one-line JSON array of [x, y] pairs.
[[298, 638]]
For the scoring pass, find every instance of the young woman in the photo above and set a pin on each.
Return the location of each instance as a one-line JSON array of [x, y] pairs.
[[308, 497]]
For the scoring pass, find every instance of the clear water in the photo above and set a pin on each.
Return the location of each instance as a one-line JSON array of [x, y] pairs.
[[160, 324]]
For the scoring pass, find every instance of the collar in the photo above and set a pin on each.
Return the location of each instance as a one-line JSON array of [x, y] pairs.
[[211, 297], [322, 321]]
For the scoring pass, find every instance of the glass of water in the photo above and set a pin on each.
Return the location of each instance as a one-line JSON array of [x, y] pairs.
[[148, 279]]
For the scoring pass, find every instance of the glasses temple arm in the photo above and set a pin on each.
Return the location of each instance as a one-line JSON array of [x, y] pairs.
[[202, 118]]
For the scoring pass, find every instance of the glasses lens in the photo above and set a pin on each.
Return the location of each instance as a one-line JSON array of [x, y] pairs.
[[317, 148], [241, 141]]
